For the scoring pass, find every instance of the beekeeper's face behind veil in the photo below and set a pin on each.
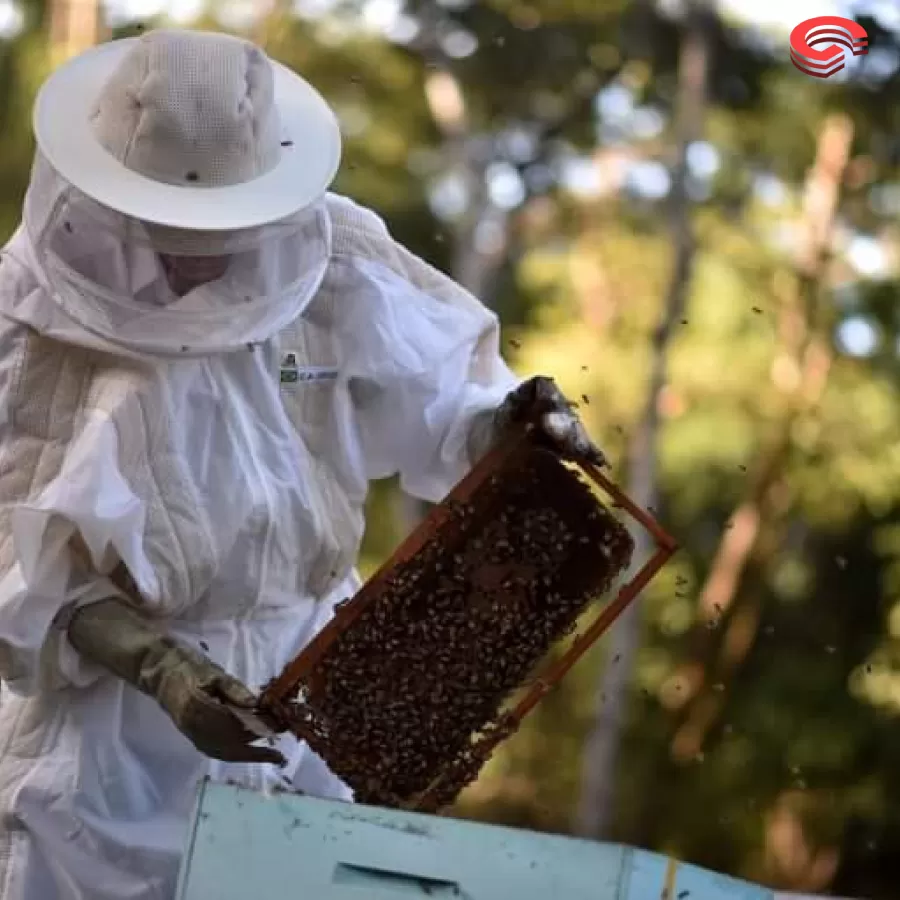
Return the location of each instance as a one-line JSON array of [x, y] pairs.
[[182, 221]]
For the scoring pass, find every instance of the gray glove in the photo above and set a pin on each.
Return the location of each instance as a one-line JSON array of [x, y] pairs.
[[192, 689], [540, 402]]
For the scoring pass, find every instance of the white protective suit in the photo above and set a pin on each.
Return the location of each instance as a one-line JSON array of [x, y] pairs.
[[221, 482]]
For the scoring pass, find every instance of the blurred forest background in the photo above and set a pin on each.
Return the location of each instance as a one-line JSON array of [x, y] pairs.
[[700, 244]]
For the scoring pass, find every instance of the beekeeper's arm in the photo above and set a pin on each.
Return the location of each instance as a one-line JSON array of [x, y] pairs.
[[190, 687], [431, 389], [68, 519]]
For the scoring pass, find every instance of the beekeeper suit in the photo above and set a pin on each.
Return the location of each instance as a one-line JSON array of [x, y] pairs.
[[204, 359]]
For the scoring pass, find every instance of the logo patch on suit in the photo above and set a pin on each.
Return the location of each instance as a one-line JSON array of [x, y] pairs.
[[292, 373]]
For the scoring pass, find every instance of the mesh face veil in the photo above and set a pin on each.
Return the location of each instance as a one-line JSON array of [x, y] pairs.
[[113, 274]]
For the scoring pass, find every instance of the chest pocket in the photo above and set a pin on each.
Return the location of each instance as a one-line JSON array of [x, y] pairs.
[[309, 374]]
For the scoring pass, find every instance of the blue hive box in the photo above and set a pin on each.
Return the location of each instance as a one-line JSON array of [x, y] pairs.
[[245, 845]]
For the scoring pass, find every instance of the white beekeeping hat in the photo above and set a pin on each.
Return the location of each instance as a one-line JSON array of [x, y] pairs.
[[178, 143], [190, 130]]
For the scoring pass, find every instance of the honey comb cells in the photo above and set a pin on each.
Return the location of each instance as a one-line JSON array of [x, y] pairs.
[[401, 698]]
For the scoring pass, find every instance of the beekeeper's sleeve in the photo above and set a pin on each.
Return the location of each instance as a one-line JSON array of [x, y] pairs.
[[66, 514], [423, 356]]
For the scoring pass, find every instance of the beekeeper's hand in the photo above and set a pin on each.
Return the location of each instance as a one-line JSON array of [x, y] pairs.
[[191, 688], [542, 403]]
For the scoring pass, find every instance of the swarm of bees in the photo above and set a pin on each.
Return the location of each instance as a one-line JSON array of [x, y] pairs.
[[406, 694]]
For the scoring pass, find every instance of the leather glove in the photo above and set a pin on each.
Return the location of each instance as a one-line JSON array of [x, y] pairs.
[[540, 402], [192, 689]]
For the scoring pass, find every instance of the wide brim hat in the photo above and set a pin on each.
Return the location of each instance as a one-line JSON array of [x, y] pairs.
[[303, 171]]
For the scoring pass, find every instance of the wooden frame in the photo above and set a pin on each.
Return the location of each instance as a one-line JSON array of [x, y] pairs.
[[277, 695]]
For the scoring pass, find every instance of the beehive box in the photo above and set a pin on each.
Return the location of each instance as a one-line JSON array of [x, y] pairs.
[[412, 684], [243, 843]]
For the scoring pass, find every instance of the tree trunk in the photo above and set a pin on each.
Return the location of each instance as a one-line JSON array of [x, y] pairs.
[[601, 750], [472, 268], [800, 371], [75, 25]]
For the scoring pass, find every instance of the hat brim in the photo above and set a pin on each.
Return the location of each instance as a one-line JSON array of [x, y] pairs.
[[307, 167]]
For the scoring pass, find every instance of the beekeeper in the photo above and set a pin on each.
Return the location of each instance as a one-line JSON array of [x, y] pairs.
[[204, 359]]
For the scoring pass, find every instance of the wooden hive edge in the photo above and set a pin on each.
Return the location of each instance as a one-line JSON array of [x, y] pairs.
[[276, 696]]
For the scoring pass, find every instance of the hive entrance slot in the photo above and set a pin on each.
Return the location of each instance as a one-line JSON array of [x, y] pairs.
[[400, 883]]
